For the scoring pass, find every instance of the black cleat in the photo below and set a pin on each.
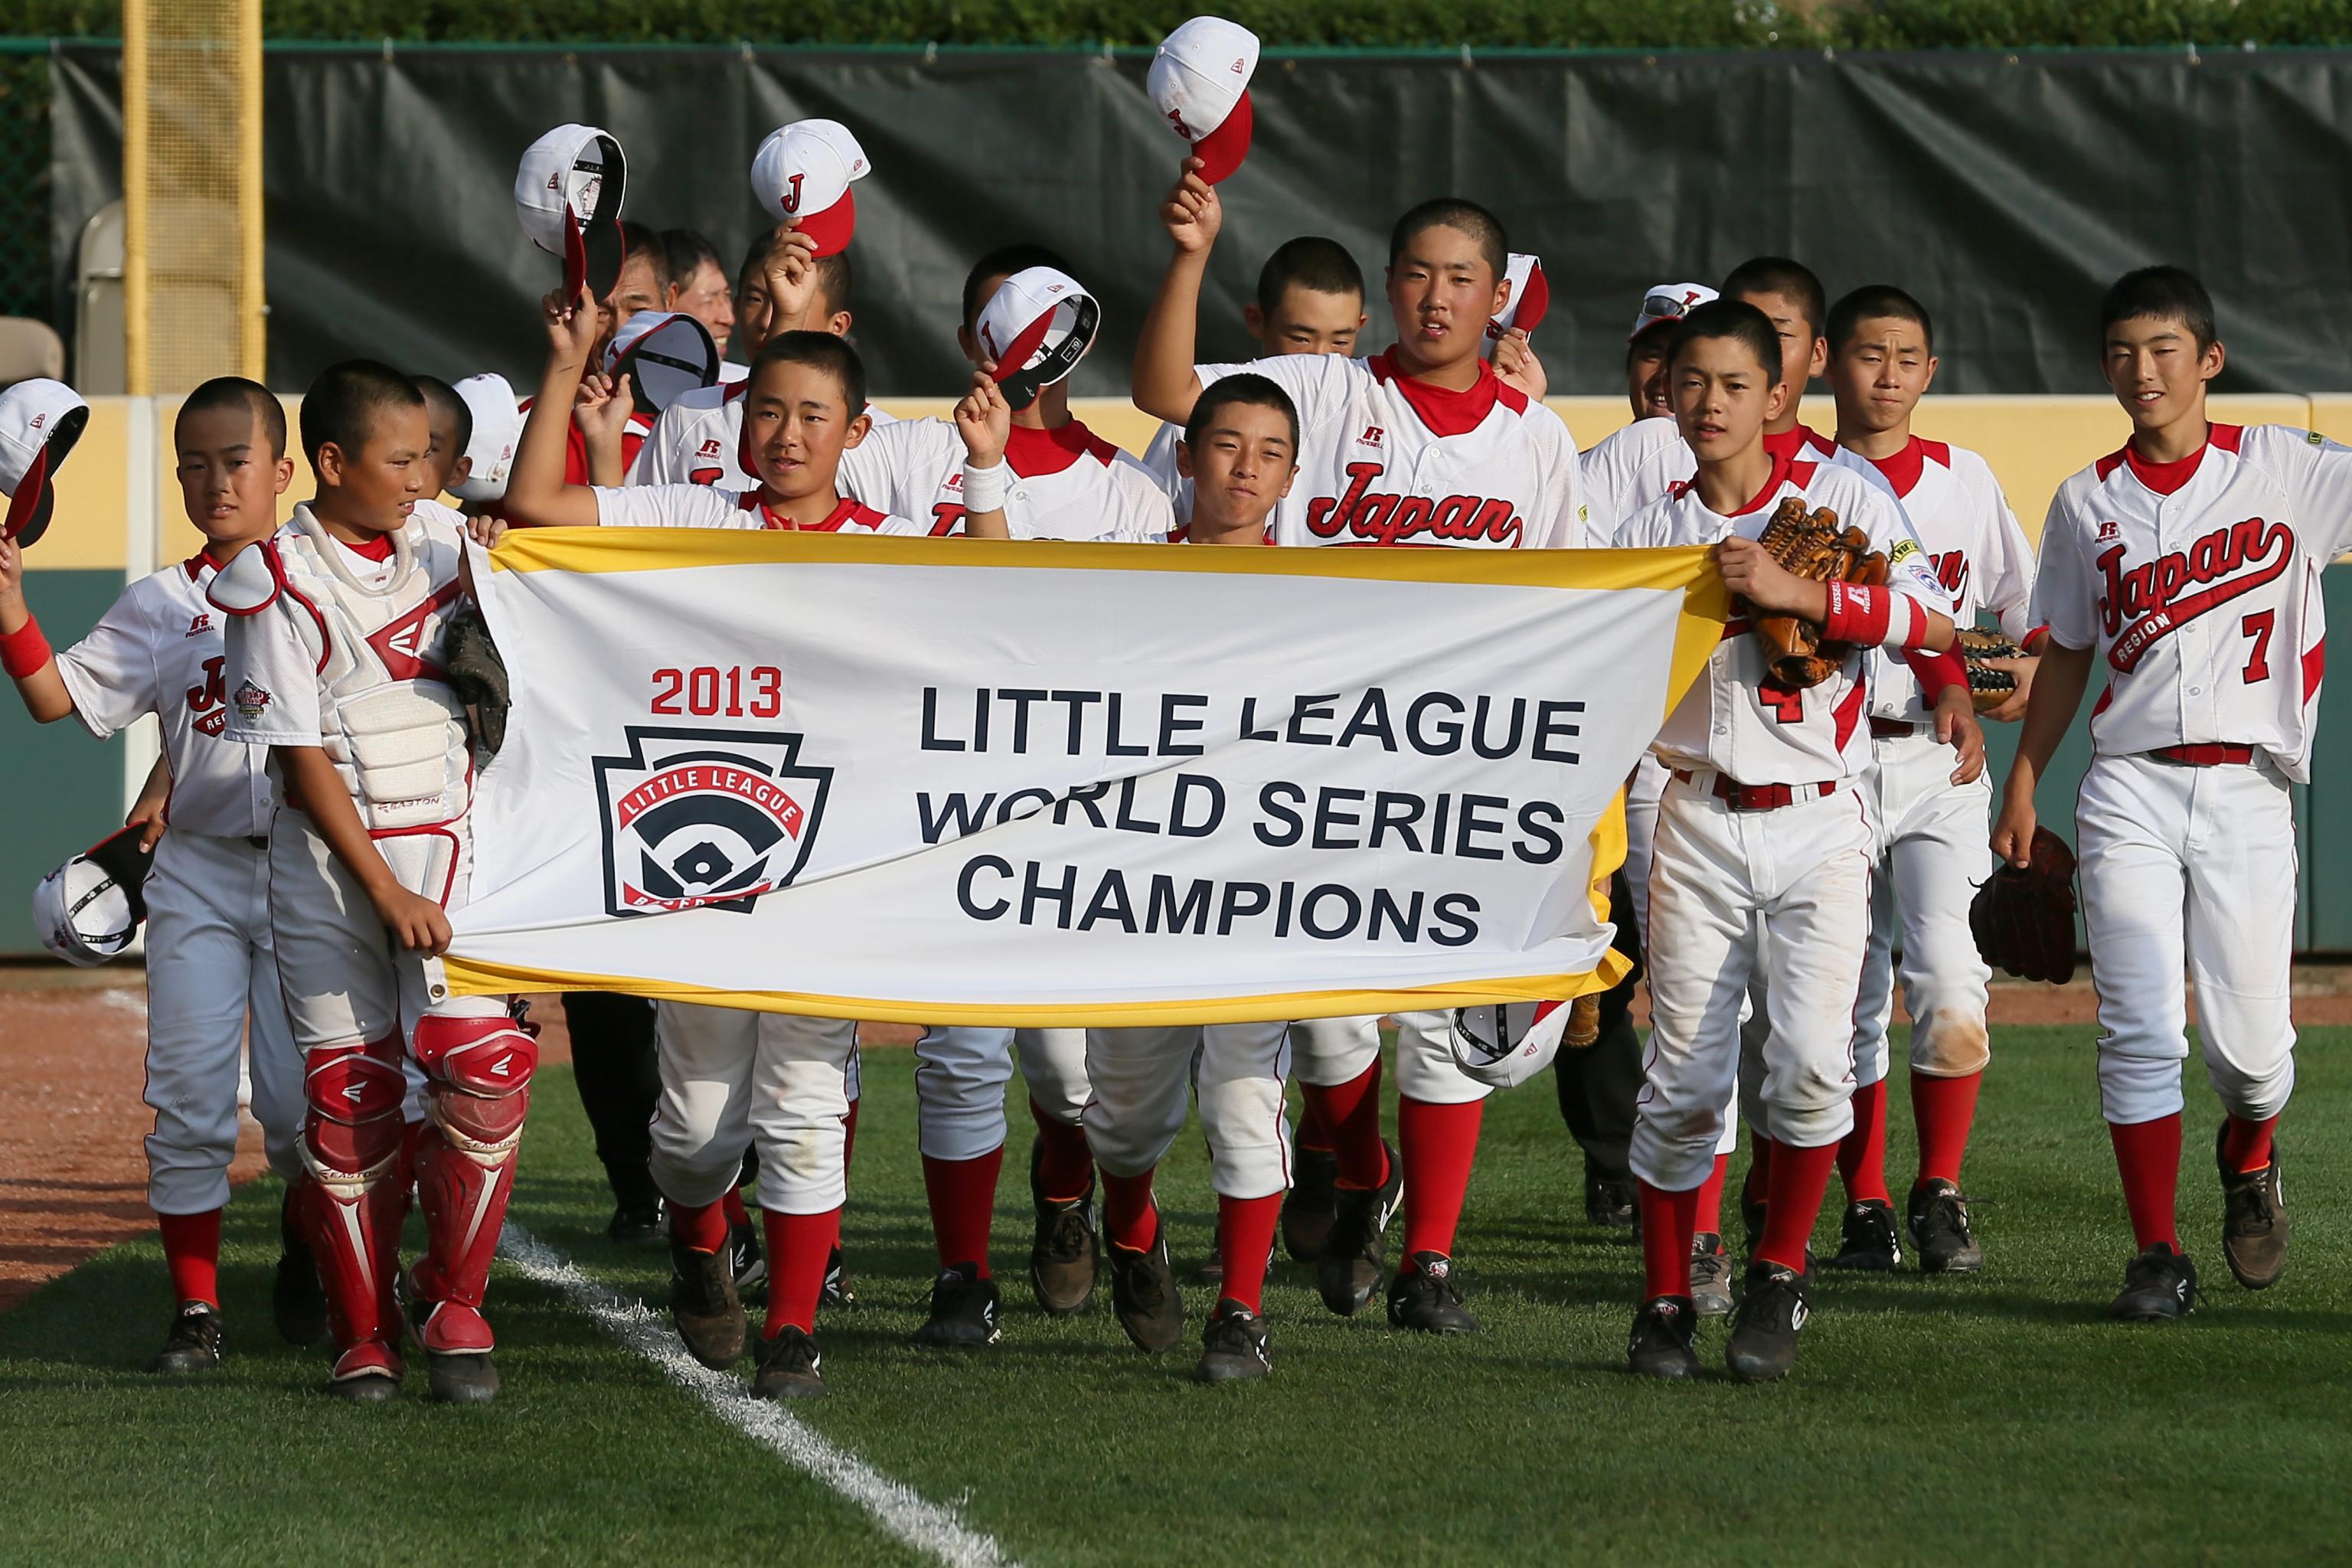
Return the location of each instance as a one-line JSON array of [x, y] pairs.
[[1143, 1295], [963, 1310], [1661, 1342], [2158, 1286], [1355, 1254], [1065, 1254], [1869, 1242], [704, 1305], [1764, 1327], [451, 1377], [1422, 1297], [1311, 1206], [1610, 1200], [637, 1224], [1937, 1220], [790, 1367], [835, 1293], [2253, 1220], [1235, 1348], [745, 1259], [194, 1342], [1710, 1276], [297, 1302]]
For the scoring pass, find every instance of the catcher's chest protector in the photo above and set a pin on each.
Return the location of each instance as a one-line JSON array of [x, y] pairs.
[[394, 731]]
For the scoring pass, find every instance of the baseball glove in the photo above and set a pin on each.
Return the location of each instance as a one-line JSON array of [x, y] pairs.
[[1990, 688], [2023, 918], [477, 674], [1813, 547]]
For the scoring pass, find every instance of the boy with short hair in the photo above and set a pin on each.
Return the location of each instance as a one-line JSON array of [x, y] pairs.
[[2188, 562], [1762, 839], [335, 664], [1793, 300], [732, 1077], [211, 964], [1882, 361], [1422, 444]]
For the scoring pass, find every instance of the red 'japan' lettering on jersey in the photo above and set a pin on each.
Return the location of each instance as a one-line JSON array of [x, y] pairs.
[[1368, 516], [2141, 603]]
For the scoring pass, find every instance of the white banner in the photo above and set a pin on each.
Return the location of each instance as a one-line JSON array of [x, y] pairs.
[[950, 781]]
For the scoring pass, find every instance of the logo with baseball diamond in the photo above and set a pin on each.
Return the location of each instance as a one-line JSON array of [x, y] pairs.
[[705, 818]]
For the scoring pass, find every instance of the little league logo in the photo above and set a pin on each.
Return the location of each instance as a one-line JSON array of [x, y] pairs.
[[704, 817]]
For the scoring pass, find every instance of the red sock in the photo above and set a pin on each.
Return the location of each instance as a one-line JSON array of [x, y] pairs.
[[1437, 1143], [2147, 1154], [1314, 1127], [2246, 1145], [1067, 1172], [1801, 1178], [798, 1246], [1861, 1153], [848, 1136], [732, 1204], [963, 1195], [1709, 1214], [1129, 1217], [1669, 1220], [1245, 1244], [1351, 1116], [1758, 1179], [192, 1253], [703, 1229], [1943, 1109]]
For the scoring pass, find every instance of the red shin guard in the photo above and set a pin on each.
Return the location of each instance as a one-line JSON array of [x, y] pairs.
[[1943, 1109], [1861, 1153], [1801, 1178], [2147, 1156], [963, 1195], [1129, 1217], [1438, 1144], [1066, 1165], [1669, 1220], [1350, 1114], [479, 1072], [357, 1196], [1245, 1244], [798, 1247], [192, 1254]]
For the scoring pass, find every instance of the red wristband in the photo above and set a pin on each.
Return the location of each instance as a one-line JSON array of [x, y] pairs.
[[1939, 670], [24, 650], [1858, 613]]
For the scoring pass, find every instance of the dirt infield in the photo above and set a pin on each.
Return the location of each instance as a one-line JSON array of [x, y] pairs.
[[73, 1173]]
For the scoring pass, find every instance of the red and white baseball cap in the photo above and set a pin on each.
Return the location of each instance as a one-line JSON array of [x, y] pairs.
[[1505, 1044], [1199, 82], [1669, 302], [89, 908], [1531, 298], [39, 422], [498, 431], [568, 194], [803, 171], [666, 354], [1037, 326]]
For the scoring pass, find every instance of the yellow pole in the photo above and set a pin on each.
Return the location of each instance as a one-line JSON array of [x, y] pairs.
[[253, 309], [135, 197]]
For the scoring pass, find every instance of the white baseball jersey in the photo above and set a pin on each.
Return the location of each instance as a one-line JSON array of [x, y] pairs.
[[1628, 470], [1069, 483], [1386, 460], [712, 506], [1736, 719], [1975, 548], [699, 439], [2198, 584], [159, 650]]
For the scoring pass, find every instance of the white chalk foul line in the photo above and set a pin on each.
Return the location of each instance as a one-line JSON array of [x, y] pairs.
[[901, 1511]]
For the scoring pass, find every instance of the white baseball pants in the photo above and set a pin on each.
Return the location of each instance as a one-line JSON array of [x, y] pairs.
[[732, 1078], [1144, 1079], [211, 968], [1333, 1051], [961, 1071], [2198, 864], [1724, 884], [1934, 853]]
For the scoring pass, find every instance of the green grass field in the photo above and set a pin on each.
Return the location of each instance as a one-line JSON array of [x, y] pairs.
[[1992, 1420]]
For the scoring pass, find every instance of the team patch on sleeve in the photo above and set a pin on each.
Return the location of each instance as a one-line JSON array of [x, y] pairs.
[[250, 701]]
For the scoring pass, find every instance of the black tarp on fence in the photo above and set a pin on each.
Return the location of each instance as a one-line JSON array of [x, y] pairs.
[[2004, 190]]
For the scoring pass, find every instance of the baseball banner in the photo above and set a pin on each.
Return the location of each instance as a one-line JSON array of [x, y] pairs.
[[954, 781]]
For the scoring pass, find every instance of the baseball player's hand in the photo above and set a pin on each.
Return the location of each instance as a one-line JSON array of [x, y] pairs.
[[415, 922], [2012, 707], [571, 324], [11, 574], [984, 420], [485, 529], [1515, 365], [791, 275], [1956, 727], [1192, 212], [1749, 571], [603, 406], [148, 812], [2012, 830]]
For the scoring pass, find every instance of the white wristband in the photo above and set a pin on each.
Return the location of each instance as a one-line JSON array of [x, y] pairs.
[[984, 489]]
